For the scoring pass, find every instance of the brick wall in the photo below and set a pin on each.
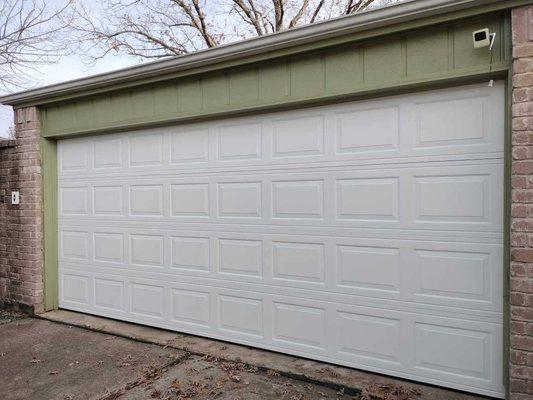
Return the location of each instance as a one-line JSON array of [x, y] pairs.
[[521, 288], [21, 256]]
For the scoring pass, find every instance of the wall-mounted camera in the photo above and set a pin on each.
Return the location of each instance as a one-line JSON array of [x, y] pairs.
[[483, 38]]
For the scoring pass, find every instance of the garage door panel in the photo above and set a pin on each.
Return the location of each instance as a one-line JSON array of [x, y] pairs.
[[426, 272], [368, 234], [451, 197], [189, 146], [109, 294], [191, 307], [146, 149], [446, 349], [355, 277]]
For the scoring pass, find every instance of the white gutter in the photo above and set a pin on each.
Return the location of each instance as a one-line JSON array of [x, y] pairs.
[[404, 12]]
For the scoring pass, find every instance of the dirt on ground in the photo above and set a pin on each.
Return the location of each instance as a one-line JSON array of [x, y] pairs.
[[45, 360], [8, 316]]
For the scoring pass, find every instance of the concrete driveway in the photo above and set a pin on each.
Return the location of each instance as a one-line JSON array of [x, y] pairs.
[[105, 359], [45, 360]]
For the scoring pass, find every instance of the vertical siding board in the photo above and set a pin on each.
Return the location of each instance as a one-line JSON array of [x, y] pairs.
[[344, 69], [403, 55], [51, 119], [142, 103], [84, 114], [189, 96], [383, 62], [103, 113], [243, 86], [450, 48], [274, 82], [215, 91], [465, 56], [121, 106], [307, 75], [427, 54], [66, 117], [165, 100]]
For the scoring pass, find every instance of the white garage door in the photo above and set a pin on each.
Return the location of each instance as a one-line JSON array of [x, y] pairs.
[[367, 234]]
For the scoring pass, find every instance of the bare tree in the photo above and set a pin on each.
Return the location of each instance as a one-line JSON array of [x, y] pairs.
[[160, 28], [29, 36]]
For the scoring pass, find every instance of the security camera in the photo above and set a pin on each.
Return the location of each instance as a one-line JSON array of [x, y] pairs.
[[483, 38]]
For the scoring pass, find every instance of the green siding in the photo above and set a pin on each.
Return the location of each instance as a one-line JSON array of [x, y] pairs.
[[438, 53], [50, 245]]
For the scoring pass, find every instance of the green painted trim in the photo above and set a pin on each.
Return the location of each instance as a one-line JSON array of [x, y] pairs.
[[507, 233], [507, 201], [499, 72], [50, 244], [401, 62]]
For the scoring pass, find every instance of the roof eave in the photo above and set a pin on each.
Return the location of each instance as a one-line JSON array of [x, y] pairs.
[[375, 19]]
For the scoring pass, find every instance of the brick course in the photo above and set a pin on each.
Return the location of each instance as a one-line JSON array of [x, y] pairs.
[[21, 255], [521, 280]]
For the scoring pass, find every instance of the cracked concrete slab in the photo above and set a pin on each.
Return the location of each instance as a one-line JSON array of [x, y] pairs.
[[40, 359], [206, 379]]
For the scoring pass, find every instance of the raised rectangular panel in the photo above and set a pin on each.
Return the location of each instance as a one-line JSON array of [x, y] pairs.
[[298, 261], [73, 155], [434, 127], [189, 146], [298, 137], [239, 142], [146, 200], [76, 288], [107, 200], [367, 336], [108, 247], [109, 294], [74, 200], [190, 200], [191, 307], [241, 257], [74, 245], [190, 253], [107, 153], [452, 274], [458, 198], [239, 200], [147, 300], [368, 130], [452, 350], [240, 315], [368, 199], [298, 199], [300, 325], [146, 149], [146, 250], [368, 267]]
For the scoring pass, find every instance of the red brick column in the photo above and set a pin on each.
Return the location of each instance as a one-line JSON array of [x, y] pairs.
[[521, 287], [21, 255]]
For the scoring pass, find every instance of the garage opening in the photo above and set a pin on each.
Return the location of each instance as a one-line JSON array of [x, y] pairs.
[[367, 234]]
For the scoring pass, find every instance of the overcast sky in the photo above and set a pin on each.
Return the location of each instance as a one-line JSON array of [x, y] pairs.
[[69, 67]]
